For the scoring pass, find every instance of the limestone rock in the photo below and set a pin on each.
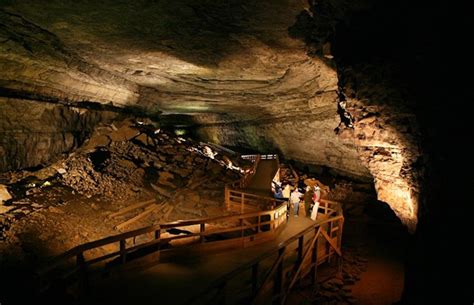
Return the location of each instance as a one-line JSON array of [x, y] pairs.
[[4, 194]]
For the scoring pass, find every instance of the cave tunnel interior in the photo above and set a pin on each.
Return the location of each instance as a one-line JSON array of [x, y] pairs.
[[153, 119]]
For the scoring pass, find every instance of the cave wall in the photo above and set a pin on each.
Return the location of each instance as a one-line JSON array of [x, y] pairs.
[[40, 80], [306, 135], [41, 132], [378, 104]]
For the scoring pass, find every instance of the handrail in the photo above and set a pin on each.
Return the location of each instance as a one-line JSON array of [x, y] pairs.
[[279, 250], [263, 157], [277, 217]]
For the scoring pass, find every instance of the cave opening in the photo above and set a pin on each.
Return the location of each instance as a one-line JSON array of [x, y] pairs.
[[169, 146]]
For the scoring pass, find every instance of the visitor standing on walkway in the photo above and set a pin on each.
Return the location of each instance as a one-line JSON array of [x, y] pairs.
[[308, 200], [286, 191], [295, 200], [316, 198]]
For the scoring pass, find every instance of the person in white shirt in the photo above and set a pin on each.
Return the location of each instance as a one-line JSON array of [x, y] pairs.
[[286, 191], [295, 200]]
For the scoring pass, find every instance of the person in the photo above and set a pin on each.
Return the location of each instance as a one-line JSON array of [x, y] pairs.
[[277, 190], [316, 198], [286, 191], [295, 200], [317, 193], [308, 200]]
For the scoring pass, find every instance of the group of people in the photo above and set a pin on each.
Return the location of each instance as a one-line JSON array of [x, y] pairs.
[[310, 198]]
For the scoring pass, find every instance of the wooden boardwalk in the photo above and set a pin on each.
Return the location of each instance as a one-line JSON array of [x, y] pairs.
[[176, 281], [256, 258]]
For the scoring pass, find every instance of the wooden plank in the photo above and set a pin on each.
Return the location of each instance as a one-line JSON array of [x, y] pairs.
[[147, 211], [131, 208], [330, 201], [194, 185], [161, 190], [167, 214]]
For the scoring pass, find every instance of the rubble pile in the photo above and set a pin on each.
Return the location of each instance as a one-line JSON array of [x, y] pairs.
[[131, 158], [123, 163], [338, 290]]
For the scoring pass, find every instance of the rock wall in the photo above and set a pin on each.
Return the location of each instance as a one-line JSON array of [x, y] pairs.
[[376, 105], [306, 135], [35, 133], [387, 138]]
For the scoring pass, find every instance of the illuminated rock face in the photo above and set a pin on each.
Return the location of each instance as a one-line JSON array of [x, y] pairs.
[[387, 146], [253, 74]]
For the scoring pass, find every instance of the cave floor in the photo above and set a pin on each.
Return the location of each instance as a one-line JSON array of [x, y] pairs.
[[382, 278]]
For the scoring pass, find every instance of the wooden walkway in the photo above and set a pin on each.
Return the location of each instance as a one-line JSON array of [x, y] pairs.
[[255, 258], [177, 281]]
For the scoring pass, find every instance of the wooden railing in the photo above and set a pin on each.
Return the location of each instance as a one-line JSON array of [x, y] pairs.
[[293, 259], [329, 207], [248, 228], [242, 202], [263, 157], [239, 201]]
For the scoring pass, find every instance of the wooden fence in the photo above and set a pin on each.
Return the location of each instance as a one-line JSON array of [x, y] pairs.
[[217, 232], [288, 264], [241, 202]]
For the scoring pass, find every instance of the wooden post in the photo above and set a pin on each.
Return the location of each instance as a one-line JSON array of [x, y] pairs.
[[254, 278], [314, 260], [158, 246], [300, 248], [83, 282], [328, 246], [258, 223], [299, 259], [227, 197], [272, 219], [339, 242], [278, 284], [242, 204], [123, 254], [201, 230]]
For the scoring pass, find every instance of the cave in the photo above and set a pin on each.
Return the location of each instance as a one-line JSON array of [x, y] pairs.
[[152, 137]]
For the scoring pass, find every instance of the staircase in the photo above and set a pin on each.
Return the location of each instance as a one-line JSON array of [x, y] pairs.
[[261, 181]]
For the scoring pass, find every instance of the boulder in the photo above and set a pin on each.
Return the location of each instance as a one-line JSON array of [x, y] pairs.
[[165, 178], [4, 194], [97, 140], [5, 209], [124, 133]]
